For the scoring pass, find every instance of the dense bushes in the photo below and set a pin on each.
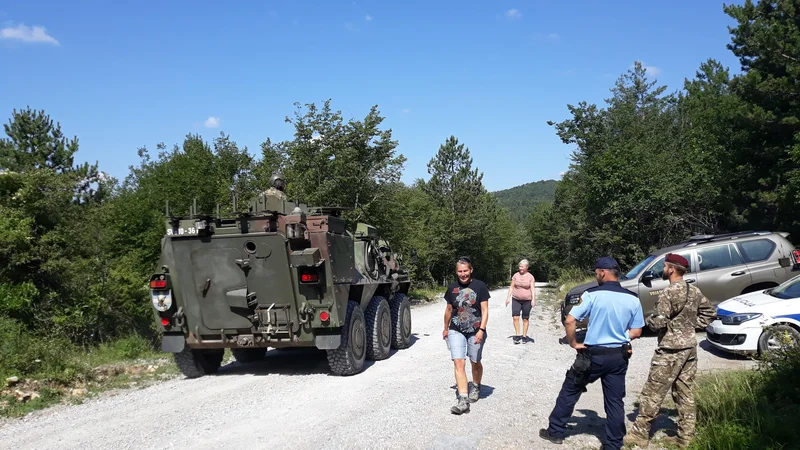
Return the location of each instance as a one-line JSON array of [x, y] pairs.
[[751, 409]]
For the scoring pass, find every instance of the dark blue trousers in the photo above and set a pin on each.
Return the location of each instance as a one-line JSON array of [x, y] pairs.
[[610, 367]]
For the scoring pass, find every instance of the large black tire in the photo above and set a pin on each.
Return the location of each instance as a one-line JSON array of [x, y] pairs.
[[349, 358], [246, 355], [378, 317], [196, 363], [401, 321], [777, 336]]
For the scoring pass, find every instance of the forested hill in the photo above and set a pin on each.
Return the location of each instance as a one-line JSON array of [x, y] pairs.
[[520, 200]]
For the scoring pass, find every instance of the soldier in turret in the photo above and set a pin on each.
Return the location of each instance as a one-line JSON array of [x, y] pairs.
[[277, 186]]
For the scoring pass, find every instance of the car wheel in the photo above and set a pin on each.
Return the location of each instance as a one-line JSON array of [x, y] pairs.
[[777, 337]]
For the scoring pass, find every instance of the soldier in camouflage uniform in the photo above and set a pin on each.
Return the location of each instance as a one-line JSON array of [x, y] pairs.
[[278, 186], [681, 308]]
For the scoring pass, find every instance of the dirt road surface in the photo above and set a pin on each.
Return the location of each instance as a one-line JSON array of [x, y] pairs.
[[289, 401]]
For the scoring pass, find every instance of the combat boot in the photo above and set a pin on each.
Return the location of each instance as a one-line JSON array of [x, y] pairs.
[[675, 441], [635, 440], [462, 406]]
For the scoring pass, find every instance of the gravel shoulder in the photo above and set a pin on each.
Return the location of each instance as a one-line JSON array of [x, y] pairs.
[[290, 401]]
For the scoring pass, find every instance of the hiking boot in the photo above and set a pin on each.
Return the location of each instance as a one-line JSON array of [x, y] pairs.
[[475, 393], [544, 434], [635, 440], [516, 339], [462, 406]]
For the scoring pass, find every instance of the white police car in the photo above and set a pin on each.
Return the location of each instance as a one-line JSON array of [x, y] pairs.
[[759, 321]]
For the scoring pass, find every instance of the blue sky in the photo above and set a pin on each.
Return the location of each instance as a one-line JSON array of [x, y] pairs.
[[121, 74]]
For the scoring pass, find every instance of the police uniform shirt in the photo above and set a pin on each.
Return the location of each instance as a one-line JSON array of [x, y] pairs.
[[612, 310]]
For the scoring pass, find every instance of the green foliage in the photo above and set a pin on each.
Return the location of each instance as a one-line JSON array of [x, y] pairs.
[[521, 200], [751, 409], [464, 219]]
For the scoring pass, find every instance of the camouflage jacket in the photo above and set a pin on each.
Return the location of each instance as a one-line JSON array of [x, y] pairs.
[[678, 314]]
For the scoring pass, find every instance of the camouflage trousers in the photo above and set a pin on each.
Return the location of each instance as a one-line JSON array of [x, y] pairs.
[[673, 370]]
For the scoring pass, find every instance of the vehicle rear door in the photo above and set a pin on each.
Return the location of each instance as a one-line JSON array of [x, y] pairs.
[[761, 257], [722, 273], [651, 284]]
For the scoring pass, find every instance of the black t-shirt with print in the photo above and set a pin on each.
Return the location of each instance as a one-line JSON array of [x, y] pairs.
[[466, 300]]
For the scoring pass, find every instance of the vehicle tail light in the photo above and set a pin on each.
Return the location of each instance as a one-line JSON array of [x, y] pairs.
[[309, 278], [165, 321], [158, 284], [796, 256], [324, 316]]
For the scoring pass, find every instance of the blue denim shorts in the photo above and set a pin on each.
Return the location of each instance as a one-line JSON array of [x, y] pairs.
[[460, 346]]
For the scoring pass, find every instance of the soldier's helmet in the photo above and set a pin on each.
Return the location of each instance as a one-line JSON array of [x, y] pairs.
[[277, 181]]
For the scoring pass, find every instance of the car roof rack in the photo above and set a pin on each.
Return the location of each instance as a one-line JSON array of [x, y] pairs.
[[701, 238]]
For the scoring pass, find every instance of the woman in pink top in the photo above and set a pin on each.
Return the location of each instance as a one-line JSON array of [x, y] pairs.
[[522, 292]]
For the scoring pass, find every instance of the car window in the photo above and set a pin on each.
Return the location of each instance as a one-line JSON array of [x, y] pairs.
[[757, 250], [718, 257], [787, 290], [658, 267]]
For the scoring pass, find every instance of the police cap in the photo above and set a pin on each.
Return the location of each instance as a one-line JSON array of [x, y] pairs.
[[606, 262], [677, 259]]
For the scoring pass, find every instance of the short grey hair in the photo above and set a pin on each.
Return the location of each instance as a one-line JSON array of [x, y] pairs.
[[525, 263]]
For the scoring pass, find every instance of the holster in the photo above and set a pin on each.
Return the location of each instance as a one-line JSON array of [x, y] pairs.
[[581, 368], [627, 351]]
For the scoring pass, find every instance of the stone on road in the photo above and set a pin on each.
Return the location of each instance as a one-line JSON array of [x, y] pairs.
[[290, 401]]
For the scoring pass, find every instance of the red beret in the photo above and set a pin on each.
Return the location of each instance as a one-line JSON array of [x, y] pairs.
[[677, 259]]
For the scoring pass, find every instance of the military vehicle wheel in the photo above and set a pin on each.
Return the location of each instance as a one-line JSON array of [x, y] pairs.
[[378, 317], [246, 355], [196, 363], [401, 321], [349, 358]]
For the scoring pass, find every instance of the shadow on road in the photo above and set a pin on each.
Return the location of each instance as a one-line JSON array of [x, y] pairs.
[[705, 345], [293, 361], [486, 390]]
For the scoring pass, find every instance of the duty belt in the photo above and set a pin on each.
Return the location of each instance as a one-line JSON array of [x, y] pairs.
[[597, 350]]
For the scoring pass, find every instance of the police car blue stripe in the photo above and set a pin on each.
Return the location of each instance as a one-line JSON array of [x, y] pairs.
[[790, 316], [724, 312]]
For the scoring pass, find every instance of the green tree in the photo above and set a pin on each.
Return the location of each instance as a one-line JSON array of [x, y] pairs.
[[767, 167], [331, 162]]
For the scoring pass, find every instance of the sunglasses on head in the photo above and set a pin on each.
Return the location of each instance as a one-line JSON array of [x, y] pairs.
[[464, 259]]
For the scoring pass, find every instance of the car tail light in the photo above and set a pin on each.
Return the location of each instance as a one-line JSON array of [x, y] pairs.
[[165, 321], [796, 256], [158, 284], [324, 316], [309, 278]]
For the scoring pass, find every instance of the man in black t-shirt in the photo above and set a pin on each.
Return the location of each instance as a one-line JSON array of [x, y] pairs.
[[465, 320]]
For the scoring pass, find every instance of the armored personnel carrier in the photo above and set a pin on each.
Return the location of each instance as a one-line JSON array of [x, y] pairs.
[[278, 275]]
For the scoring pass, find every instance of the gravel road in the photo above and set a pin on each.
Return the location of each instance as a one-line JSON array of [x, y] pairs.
[[289, 400]]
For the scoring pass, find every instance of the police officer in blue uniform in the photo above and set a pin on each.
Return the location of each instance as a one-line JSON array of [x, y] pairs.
[[615, 319]]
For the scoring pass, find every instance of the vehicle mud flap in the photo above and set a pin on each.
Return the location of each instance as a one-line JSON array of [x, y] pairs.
[[328, 342], [172, 343]]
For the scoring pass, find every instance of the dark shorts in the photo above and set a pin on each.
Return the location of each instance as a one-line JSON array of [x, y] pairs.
[[520, 306]]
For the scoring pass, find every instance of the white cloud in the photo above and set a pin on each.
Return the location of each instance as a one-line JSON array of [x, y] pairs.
[[212, 122], [561, 174], [513, 14], [553, 36], [28, 34], [652, 70], [368, 18]]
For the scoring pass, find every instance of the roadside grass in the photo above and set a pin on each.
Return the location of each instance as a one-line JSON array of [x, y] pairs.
[[38, 372], [550, 298], [751, 409], [426, 293]]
